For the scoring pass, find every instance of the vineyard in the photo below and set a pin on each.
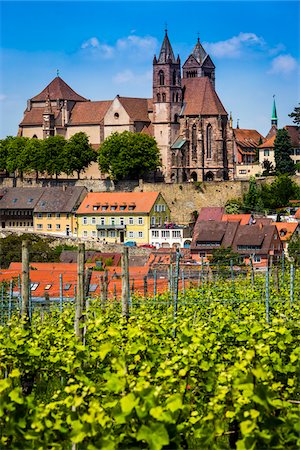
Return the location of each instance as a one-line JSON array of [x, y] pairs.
[[210, 366]]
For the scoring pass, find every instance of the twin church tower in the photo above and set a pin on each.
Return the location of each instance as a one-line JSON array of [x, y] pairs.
[[185, 115]]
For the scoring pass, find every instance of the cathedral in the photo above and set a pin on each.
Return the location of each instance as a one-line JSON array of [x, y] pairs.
[[184, 115]]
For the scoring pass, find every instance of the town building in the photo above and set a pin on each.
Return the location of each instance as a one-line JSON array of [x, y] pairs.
[[170, 235], [117, 217], [17, 208], [185, 115], [287, 231], [55, 211]]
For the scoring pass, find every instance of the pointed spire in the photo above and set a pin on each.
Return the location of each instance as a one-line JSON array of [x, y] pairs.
[[230, 120], [199, 53], [166, 52], [238, 123], [274, 119]]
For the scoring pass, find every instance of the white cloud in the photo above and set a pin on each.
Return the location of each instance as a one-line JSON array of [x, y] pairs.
[[91, 43], [127, 76], [233, 47], [283, 64], [130, 46]]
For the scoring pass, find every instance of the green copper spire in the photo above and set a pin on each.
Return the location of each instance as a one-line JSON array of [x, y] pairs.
[[274, 119]]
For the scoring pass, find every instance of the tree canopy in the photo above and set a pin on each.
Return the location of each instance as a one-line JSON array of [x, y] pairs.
[[282, 151], [78, 153], [128, 155], [295, 115]]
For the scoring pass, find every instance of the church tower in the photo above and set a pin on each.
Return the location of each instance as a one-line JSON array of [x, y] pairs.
[[167, 99], [274, 121], [48, 119], [199, 64]]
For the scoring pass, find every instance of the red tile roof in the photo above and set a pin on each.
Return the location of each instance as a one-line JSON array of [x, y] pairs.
[[58, 90], [247, 138], [35, 116], [201, 98], [244, 219], [286, 229], [294, 133], [269, 143], [143, 202], [136, 108], [89, 112], [210, 213]]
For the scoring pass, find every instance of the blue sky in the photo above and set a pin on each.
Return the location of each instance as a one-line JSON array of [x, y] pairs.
[[106, 48]]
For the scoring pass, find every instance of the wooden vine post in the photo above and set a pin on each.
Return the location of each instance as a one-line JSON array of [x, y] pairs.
[[79, 299], [125, 283], [25, 282]]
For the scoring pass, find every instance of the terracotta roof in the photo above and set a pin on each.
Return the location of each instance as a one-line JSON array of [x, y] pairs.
[[142, 202], [35, 116], [89, 112], [210, 213], [201, 98], [136, 108], [247, 138], [150, 104], [70, 256], [21, 198], [57, 199], [58, 89], [297, 215], [294, 133], [244, 219], [272, 132], [269, 143], [286, 229]]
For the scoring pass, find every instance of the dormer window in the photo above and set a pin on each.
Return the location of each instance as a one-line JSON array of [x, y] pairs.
[[95, 207], [104, 207], [131, 206], [122, 207], [113, 207]]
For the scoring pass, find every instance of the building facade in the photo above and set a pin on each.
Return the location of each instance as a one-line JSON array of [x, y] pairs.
[[185, 115]]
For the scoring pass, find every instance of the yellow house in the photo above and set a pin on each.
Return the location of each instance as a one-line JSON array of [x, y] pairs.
[[121, 216], [55, 212]]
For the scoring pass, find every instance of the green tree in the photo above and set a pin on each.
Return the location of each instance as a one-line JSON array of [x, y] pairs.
[[282, 151], [33, 155], [4, 144], [40, 249], [295, 115], [233, 206], [15, 149], [78, 154], [128, 155], [251, 197], [268, 168], [52, 155]]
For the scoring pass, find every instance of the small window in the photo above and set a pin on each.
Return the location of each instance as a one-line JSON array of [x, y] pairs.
[[140, 221], [93, 287], [94, 233], [85, 233], [39, 226], [34, 286], [257, 259], [116, 115], [49, 215], [39, 215], [58, 226], [130, 220], [57, 215], [30, 200], [49, 226], [47, 287], [152, 220], [130, 234], [122, 221], [102, 221], [67, 286], [266, 152], [140, 234], [93, 220], [84, 220], [15, 200]]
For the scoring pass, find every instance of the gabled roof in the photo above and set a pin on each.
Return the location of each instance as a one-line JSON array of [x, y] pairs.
[[35, 117], [247, 138], [269, 143], [166, 52], [210, 213], [294, 133], [89, 112], [213, 231], [136, 108], [199, 53], [21, 198], [286, 229], [142, 202], [58, 89], [243, 219], [254, 235], [201, 98], [56, 199]]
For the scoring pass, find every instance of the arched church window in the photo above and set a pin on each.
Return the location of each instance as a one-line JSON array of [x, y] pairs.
[[176, 118], [173, 96], [163, 97], [177, 97], [161, 78], [208, 141], [174, 77], [34, 136], [194, 141], [158, 97], [173, 159]]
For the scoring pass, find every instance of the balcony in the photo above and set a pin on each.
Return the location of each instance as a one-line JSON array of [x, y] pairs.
[[111, 227]]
